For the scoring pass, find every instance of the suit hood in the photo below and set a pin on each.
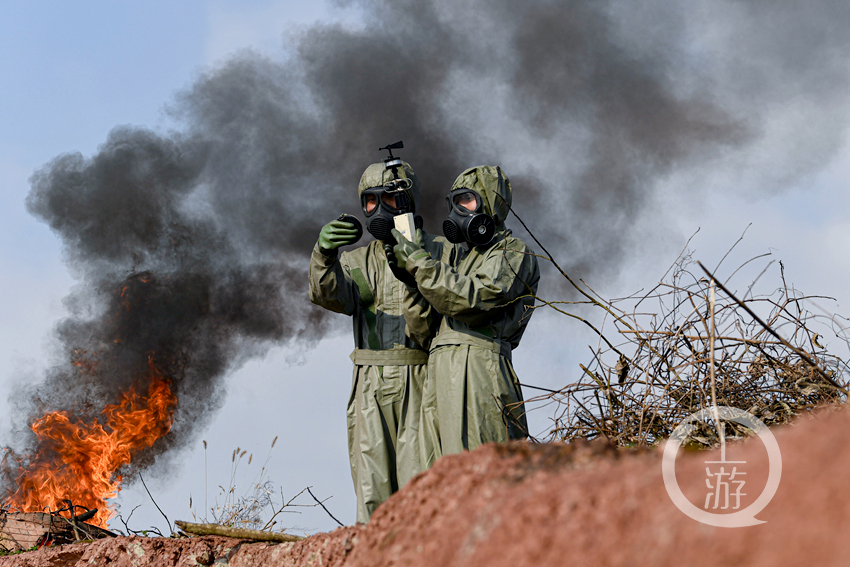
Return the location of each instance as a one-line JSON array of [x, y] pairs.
[[493, 185], [377, 174]]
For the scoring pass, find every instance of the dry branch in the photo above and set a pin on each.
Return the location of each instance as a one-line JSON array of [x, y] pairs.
[[241, 533]]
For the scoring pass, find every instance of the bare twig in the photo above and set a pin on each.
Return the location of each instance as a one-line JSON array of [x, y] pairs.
[[320, 503], [170, 529], [767, 328], [126, 527]]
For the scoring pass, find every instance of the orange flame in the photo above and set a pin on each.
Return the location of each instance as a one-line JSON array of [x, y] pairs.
[[80, 460]]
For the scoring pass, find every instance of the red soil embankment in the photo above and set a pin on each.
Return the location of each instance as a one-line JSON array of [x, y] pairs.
[[523, 505]]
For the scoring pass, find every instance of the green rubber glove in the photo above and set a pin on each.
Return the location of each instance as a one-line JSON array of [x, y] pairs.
[[335, 234], [405, 249]]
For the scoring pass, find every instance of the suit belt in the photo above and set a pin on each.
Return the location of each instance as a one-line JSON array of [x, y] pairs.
[[390, 357], [445, 338]]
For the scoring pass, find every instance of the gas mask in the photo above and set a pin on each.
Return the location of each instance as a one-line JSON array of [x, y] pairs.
[[381, 204], [467, 221], [392, 195]]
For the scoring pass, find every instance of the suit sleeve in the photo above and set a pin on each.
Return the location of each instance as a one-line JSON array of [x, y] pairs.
[[505, 274], [331, 284]]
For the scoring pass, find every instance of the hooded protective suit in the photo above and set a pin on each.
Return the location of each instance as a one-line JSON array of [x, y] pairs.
[[472, 395], [389, 368]]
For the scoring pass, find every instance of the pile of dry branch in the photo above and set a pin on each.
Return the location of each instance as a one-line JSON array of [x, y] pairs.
[[690, 341]]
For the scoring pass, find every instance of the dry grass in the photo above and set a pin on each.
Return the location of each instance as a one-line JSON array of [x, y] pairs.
[[254, 504]]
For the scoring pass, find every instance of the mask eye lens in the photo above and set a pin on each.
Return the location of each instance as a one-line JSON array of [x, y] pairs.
[[370, 201], [390, 200], [466, 201]]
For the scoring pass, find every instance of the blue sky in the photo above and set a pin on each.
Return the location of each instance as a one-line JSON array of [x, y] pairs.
[[71, 72]]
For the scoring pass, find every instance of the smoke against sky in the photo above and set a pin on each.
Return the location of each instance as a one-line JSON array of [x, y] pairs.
[[587, 106]]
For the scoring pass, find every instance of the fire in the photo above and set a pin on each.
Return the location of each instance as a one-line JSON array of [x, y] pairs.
[[79, 461]]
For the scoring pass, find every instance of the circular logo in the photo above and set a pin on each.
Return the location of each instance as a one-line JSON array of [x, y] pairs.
[[722, 482]]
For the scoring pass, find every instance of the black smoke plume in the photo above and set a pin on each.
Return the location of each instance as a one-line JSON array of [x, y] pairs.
[[193, 244]]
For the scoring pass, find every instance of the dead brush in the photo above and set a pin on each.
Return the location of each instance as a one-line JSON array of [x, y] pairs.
[[253, 505], [656, 352]]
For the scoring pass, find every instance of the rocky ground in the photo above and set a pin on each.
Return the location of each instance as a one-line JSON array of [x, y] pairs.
[[525, 505]]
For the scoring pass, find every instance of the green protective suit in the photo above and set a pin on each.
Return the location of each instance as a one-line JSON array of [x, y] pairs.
[[472, 395], [389, 368]]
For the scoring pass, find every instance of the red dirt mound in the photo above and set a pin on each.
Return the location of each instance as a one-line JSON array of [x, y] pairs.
[[586, 504]]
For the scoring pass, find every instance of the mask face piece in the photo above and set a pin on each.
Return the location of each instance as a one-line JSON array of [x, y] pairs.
[[380, 205], [467, 221]]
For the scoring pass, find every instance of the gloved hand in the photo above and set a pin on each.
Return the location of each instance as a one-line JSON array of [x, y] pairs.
[[335, 234], [399, 273], [404, 248]]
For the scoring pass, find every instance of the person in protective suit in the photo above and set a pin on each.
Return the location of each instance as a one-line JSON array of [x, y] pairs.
[[472, 394], [389, 368]]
